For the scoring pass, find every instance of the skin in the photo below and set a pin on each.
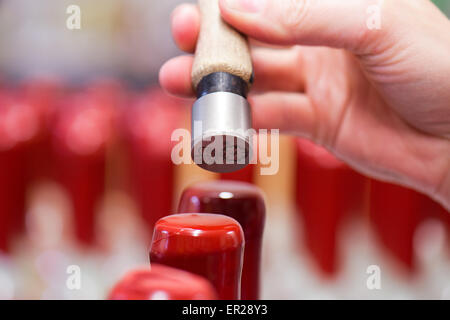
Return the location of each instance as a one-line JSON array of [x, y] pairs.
[[378, 99]]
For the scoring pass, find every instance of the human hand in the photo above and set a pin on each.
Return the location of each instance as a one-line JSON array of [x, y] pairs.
[[378, 99]]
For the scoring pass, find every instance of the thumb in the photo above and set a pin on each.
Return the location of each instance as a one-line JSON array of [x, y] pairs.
[[332, 23]]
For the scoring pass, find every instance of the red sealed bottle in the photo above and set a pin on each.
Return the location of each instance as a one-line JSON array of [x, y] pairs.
[[80, 138], [327, 191], [395, 214], [43, 94], [148, 126], [18, 128], [162, 283], [243, 202], [209, 245]]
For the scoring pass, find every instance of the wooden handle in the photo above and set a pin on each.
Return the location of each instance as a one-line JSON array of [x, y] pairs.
[[220, 48]]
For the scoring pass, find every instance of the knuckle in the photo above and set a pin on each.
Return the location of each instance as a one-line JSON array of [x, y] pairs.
[[294, 14]]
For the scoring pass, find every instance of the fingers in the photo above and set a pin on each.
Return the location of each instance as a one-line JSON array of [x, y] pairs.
[[287, 111], [175, 76], [333, 23], [186, 26], [291, 113], [273, 72]]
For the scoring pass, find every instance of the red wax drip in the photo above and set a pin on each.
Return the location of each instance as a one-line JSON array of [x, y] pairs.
[[327, 191], [243, 202], [209, 245], [162, 283]]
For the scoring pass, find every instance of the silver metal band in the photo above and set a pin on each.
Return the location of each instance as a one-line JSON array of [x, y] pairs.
[[221, 119]]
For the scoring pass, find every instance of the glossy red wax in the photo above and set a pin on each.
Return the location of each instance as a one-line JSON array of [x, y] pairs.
[[395, 214], [327, 191], [148, 126], [80, 137], [209, 245], [243, 202], [162, 283]]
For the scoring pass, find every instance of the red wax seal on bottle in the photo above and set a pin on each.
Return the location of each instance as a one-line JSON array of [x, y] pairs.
[[162, 283], [148, 126], [327, 191], [243, 202], [80, 138], [209, 245], [395, 214]]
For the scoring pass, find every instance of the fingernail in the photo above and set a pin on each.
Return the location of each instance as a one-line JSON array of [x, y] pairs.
[[249, 6]]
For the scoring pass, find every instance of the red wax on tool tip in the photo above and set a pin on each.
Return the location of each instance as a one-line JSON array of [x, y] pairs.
[[327, 191], [243, 202], [210, 245], [162, 283]]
